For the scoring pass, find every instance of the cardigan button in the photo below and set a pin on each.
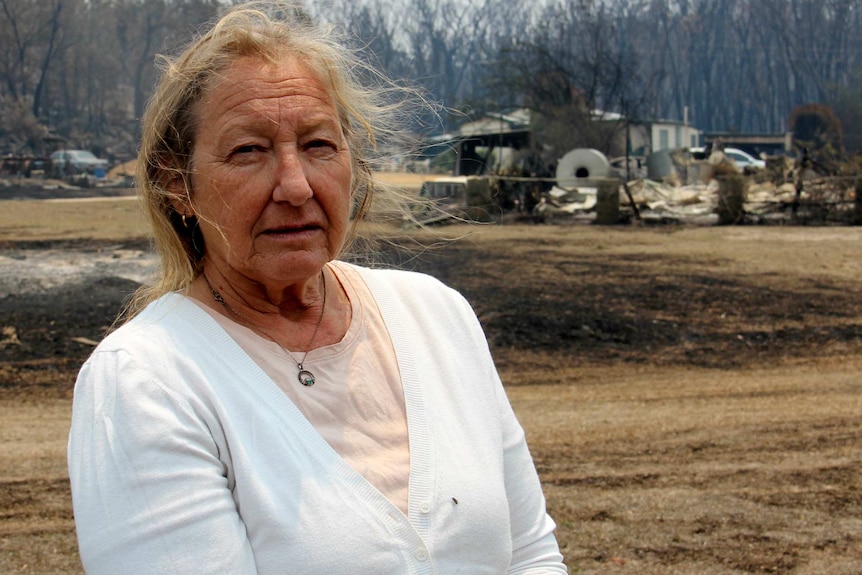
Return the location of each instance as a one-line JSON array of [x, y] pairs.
[[421, 555], [425, 508]]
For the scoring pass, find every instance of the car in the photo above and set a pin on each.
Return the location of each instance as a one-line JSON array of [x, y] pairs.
[[740, 158], [79, 161], [743, 159]]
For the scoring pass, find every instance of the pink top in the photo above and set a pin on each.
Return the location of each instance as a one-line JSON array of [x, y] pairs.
[[357, 402]]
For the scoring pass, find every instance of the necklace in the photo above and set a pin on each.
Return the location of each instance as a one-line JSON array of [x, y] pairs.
[[304, 376]]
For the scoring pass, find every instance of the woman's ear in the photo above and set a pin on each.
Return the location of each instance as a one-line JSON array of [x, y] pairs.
[[180, 196]]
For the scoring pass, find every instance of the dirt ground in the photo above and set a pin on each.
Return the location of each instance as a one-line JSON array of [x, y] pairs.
[[691, 395]]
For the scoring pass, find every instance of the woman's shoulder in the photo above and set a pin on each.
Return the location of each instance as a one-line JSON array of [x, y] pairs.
[[172, 335], [397, 276], [422, 297], [156, 327], [400, 281]]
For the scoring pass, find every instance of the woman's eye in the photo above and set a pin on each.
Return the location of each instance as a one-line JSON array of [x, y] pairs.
[[245, 149], [322, 144]]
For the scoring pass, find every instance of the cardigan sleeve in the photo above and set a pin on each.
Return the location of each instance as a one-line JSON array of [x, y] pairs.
[[149, 492], [534, 546]]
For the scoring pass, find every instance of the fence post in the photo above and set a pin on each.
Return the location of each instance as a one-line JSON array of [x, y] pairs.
[[478, 198], [608, 202], [731, 200]]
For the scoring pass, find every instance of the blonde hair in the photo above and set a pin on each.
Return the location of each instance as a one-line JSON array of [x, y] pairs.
[[366, 102]]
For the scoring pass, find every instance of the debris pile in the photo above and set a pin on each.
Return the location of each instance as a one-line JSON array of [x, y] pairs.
[[691, 193]]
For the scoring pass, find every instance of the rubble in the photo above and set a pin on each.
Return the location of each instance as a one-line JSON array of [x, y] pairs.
[[690, 193]]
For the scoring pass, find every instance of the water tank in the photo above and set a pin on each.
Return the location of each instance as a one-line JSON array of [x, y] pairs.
[[580, 165]]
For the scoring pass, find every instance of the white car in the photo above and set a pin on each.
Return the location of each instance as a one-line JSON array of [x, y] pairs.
[[78, 160], [743, 159], [740, 158]]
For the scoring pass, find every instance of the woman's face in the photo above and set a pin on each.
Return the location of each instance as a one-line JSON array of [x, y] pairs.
[[271, 173]]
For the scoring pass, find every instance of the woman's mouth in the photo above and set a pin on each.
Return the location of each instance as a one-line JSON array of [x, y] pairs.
[[291, 230]]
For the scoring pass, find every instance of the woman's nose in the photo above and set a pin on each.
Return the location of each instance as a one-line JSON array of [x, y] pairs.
[[291, 181]]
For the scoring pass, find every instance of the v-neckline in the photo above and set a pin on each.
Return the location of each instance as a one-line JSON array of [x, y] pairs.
[[273, 396]]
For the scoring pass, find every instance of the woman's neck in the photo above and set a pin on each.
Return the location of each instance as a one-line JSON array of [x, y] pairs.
[[298, 317]]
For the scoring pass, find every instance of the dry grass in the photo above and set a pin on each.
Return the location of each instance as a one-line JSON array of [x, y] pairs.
[[103, 218], [36, 526], [659, 471], [653, 461], [91, 218]]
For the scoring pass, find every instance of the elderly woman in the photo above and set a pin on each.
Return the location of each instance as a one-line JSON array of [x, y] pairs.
[[269, 408]]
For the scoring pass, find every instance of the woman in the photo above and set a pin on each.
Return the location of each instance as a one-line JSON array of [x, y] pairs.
[[268, 408]]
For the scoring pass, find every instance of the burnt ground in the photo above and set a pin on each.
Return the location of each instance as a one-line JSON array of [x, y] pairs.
[[647, 309]]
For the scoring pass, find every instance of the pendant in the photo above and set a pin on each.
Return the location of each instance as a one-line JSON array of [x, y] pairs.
[[305, 377]]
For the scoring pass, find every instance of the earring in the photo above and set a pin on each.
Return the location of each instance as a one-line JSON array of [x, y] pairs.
[[185, 223]]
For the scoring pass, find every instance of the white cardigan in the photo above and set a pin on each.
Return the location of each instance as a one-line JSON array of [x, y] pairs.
[[185, 457]]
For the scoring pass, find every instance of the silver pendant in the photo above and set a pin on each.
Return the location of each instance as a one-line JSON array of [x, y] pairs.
[[305, 377]]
